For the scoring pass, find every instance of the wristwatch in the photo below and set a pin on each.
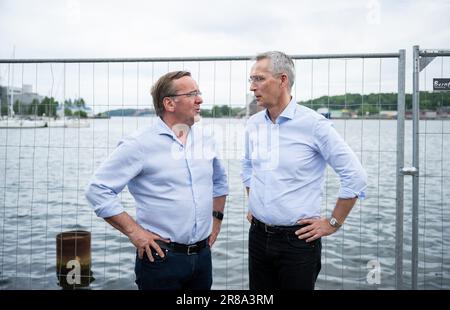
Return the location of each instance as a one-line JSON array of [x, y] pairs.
[[218, 215], [334, 222]]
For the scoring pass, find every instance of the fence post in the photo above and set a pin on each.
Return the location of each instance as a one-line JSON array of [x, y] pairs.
[[399, 173], [415, 162]]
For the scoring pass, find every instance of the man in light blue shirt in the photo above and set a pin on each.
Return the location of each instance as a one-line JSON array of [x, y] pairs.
[[287, 149], [179, 185]]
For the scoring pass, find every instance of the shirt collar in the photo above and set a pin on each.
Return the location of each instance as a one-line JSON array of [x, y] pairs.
[[162, 128], [287, 114]]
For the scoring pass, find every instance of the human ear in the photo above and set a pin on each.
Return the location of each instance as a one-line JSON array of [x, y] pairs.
[[284, 80], [169, 104]]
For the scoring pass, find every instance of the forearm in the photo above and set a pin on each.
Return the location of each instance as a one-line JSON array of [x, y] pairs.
[[319, 227], [124, 223], [219, 203], [343, 208]]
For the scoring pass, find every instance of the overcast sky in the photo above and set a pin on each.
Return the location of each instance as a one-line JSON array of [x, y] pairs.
[[145, 28], [138, 28]]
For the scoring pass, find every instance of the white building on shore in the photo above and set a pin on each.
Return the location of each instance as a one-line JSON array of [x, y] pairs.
[[23, 95]]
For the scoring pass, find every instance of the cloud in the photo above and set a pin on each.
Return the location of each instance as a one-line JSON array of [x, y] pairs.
[[175, 28], [136, 28]]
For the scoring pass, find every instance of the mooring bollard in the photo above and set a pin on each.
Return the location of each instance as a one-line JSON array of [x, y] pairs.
[[73, 259]]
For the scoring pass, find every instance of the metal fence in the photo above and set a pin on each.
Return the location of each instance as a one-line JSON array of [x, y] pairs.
[[430, 195], [44, 170]]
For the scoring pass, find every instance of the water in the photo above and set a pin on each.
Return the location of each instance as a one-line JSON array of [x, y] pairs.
[[43, 173]]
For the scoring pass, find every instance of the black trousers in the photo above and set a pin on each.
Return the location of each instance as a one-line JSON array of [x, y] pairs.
[[279, 260], [176, 271]]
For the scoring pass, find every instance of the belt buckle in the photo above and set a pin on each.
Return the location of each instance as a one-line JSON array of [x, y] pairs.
[[193, 247], [268, 231]]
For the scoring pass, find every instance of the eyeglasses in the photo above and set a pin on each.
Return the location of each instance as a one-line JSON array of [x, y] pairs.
[[191, 94], [256, 79]]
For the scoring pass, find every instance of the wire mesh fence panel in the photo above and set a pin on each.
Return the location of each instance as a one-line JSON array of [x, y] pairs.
[[44, 170]]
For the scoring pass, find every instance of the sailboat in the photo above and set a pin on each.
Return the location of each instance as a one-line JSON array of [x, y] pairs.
[[21, 123], [68, 122], [11, 121]]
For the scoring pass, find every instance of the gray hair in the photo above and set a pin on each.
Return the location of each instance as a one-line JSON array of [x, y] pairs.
[[280, 63]]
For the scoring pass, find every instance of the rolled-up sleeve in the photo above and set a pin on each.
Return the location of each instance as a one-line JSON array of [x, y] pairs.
[[220, 182], [353, 178], [246, 162], [112, 176]]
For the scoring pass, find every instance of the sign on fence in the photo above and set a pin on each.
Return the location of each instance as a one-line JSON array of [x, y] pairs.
[[441, 84]]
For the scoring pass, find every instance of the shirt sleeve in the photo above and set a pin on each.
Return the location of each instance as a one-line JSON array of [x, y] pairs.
[[342, 159], [112, 176], [246, 162], [220, 181]]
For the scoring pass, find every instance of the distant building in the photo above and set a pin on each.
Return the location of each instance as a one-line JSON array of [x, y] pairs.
[[443, 112], [24, 95], [325, 112], [336, 113], [343, 113], [388, 114], [427, 114]]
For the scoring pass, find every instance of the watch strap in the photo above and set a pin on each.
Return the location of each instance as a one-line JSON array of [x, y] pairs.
[[218, 215]]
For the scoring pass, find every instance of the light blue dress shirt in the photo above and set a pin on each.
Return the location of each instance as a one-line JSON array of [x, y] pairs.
[[284, 164], [173, 185]]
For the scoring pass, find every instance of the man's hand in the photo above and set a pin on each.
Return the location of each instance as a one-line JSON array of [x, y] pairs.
[[215, 231], [249, 217], [143, 240], [319, 227], [316, 228]]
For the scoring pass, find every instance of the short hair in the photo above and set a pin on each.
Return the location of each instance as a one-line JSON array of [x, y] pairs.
[[280, 63], [164, 87]]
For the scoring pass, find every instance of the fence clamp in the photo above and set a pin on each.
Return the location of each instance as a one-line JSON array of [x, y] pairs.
[[410, 171]]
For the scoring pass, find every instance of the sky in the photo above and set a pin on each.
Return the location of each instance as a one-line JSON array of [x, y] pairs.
[[175, 28], [138, 28]]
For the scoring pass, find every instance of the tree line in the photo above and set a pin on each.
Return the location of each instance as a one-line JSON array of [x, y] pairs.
[[374, 103], [48, 106], [361, 104], [221, 111]]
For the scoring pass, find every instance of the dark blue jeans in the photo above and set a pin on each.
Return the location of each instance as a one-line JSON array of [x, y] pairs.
[[176, 271], [282, 261]]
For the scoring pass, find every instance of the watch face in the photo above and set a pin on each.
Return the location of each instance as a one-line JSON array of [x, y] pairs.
[[334, 222]]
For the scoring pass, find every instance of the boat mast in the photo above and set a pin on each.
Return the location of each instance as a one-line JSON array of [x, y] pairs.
[[11, 88]]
